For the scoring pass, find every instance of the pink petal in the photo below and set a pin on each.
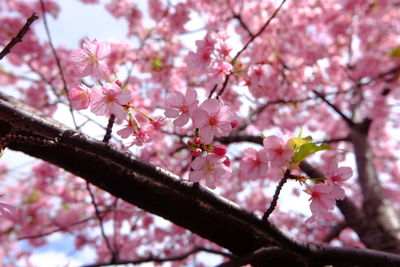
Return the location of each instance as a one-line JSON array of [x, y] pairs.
[[191, 96], [212, 106], [181, 120]]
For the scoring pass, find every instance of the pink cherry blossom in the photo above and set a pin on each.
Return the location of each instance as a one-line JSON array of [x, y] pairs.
[[90, 59], [7, 210], [210, 168], [336, 177], [158, 123], [142, 135], [218, 71], [181, 106], [109, 99], [254, 164], [280, 154], [79, 96], [201, 59], [213, 118], [322, 201]]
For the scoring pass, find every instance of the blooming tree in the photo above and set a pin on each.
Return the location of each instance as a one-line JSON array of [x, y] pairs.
[[271, 141]]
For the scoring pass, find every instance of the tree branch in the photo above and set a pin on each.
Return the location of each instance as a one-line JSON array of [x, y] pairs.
[[155, 259], [260, 31], [338, 111], [276, 196], [163, 193], [19, 36]]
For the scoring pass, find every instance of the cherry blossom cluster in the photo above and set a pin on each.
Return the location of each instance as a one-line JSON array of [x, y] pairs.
[[210, 119], [281, 155], [212, 57], [323, 195], [108, 98]]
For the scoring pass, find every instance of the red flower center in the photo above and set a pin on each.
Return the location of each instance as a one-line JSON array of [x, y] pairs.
[[279, 150], [213, 121]]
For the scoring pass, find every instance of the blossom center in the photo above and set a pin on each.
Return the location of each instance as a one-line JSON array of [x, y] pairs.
[[335, 178], [184, 109], [110, 99], [209, 168], [256, 162], [279, 150], [315, 195], [213, 121], [92, 58]]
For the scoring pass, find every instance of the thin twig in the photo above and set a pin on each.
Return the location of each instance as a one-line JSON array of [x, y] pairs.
[[58, 62], [53, 50], [115, 243], [260, 31], [110, 124], [276, 196], [19, 36], [337, 110], [155, 259], [100, 218], [244, 25]]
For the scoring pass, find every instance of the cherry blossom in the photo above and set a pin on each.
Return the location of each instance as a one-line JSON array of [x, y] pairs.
[[280, 154], [7, 210], [90, 59], [181, 106], [336, 177], [210, 168], [254, 164], [109, 99], [322, 201], [213, 118], [79, 96]]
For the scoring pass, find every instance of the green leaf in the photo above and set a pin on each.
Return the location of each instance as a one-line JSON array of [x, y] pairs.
[[298, 142], [34, 197], [307, 149], [157, 64], [395, 52]]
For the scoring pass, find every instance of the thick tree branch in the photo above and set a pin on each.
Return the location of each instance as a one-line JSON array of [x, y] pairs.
[[163, 193], [378, 210], [19, 36], [335, 232]]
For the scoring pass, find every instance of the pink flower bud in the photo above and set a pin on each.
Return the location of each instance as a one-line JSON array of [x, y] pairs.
[[119, 83], [190, 143], [197, 152], [197, 140], [227, 162], [234, 124], [220, 150]]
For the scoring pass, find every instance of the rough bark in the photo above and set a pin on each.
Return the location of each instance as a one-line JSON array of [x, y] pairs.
[[163, 193]]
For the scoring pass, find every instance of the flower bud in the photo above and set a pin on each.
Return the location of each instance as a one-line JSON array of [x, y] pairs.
[[234, 124], [197, 152], [227, 162], [119, 83], [220, 150], [197, 140]]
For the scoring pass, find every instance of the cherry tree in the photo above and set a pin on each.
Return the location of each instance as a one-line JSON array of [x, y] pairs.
[[270, 141]]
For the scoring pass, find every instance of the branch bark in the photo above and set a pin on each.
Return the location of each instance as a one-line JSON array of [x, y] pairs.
[[163, 193]]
